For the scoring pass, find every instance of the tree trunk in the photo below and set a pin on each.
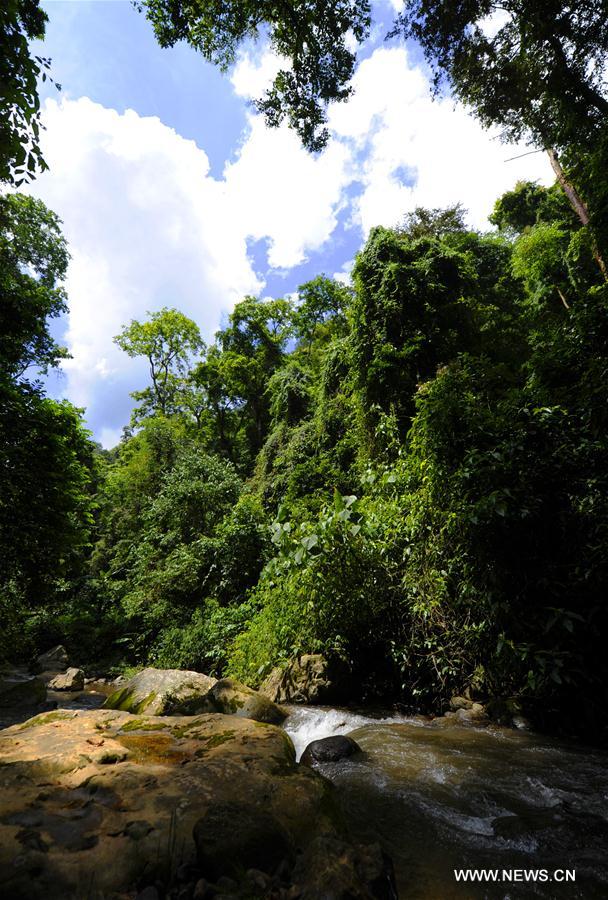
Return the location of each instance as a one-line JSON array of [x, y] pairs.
[[578, 205]]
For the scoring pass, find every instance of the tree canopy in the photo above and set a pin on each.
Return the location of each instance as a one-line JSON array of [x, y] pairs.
[[20, 156], [312, 37]]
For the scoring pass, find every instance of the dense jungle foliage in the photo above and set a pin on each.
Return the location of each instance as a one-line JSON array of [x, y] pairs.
[[408, 473]]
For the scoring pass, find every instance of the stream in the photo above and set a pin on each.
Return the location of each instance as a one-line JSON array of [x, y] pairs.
[[440, 796]]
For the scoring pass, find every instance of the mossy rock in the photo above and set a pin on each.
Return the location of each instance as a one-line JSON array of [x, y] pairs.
[[162, 692], [232, 698]]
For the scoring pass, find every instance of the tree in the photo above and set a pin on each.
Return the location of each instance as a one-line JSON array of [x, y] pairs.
[[419, 302], [45, 453], [530, 203], [20, 156], [538, 76], [33, 262], [321, 303], [313, 37], [167, 340]]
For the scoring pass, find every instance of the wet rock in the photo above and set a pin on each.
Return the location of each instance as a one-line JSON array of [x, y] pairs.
[[232, 836], [230, 697], [16, 692], [162, 692], [504, 710], [71, 680], [475, 715], [54, 660], [310, 678], [329, 749], [521, 723]]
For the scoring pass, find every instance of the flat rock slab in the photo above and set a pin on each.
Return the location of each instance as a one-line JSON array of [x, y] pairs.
[[99, 803]]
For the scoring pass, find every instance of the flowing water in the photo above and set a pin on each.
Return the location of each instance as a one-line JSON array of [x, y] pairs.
[[440, 796]]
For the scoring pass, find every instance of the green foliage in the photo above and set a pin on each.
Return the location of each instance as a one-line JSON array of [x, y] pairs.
[[203, 642], [46, 457], [33, 262], [328, 589], [20, 156], [419, 302], [539, 74], [529, 204], [167, 340], [312, 37]]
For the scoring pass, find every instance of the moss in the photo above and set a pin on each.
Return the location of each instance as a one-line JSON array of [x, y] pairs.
[[180, 731], [143, 725], [123, 699], [216, 740], [213, 741], [45, 718]]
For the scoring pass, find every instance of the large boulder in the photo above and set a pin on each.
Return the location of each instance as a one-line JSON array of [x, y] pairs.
[[329, 749], [259, 841], [71, 680], [162, 692], [103, 803], [17, 691], [230, 697], [54, 660], [310, 678]]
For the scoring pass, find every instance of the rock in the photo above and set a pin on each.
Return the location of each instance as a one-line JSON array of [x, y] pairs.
[[71, 680], [238, 835], [257, 880], [93, 802], [476, 715], [330, 868], [233, 698], [521, 723], [202, 890], [16, 691], [308, 679], [457, 703], [149, 893], [504, 710], [329, 749], [54, 660], [162, 692]]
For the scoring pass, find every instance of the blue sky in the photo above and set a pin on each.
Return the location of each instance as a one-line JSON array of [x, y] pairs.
[[173, 192]]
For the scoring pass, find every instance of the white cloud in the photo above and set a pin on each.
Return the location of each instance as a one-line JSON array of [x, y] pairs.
[[148, 226], [395, 128], [344, 274], [255, 70], [282, 192]]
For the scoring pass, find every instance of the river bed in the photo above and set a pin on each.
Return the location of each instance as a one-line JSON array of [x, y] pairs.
[[441, 796]]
